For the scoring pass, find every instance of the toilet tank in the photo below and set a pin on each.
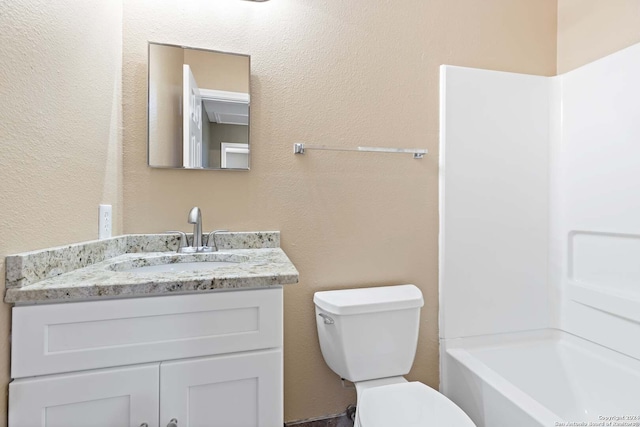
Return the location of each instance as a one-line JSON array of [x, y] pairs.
[[369, 333]]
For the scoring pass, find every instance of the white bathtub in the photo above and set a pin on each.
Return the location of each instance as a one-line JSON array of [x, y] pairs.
[[541, 378]]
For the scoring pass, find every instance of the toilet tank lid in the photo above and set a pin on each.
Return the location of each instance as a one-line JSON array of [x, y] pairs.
[[368, 300]]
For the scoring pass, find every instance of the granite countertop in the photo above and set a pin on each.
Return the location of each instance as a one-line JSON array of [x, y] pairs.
[[93, 270]]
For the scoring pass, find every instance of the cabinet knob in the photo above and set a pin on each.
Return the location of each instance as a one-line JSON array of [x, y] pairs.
[[144, 425], [173, 423]]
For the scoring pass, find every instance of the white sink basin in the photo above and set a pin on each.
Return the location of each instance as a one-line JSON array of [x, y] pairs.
[[179, 267], [178, 263]]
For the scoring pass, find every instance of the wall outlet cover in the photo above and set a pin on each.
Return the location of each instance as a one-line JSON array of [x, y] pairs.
[[104, 221]]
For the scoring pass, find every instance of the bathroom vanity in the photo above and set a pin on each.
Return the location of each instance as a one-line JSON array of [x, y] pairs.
[[187, 347]]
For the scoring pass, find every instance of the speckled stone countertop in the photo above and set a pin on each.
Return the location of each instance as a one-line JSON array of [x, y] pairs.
[[93, 270]]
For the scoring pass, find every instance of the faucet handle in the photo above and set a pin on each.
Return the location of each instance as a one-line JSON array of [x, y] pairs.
[[211, 239], [183, 239]]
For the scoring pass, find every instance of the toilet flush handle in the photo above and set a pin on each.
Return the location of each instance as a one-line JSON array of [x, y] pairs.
[[327, 320]]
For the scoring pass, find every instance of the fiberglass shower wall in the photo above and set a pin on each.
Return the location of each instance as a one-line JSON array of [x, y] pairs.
[[494, 202], [595, 207], [540, 202]]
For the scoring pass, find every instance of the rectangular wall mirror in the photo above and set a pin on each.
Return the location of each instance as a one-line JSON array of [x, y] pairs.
[[198, 108]]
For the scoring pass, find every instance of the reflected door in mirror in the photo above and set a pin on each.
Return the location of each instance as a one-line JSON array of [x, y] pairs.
[[199, 106]]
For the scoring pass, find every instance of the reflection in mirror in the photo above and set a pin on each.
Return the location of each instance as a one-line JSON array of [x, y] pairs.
[[198, 108]]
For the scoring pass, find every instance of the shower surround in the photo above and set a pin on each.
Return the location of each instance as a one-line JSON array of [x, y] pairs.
[[540, 234]]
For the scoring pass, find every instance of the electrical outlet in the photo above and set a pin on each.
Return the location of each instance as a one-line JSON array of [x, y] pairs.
[[104, 222]]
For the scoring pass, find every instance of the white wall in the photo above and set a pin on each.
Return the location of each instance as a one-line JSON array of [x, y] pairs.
[[494, 202], [596, 208]]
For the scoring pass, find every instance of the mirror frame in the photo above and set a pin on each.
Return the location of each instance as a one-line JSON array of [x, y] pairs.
[[149, 43]]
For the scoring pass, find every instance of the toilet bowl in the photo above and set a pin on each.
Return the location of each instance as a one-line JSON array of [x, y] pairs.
[[369, 337]]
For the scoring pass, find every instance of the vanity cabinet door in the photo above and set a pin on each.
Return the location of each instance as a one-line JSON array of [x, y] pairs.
[[240, 390], [100, 398]]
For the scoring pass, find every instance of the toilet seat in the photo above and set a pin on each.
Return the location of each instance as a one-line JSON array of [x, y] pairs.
[[410, 404]]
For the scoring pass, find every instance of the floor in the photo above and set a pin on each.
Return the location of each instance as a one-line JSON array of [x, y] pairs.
[[337, 421]]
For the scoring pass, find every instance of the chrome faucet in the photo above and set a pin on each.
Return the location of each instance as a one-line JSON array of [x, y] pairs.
[[195, 218], [211, 240], [197, 245]]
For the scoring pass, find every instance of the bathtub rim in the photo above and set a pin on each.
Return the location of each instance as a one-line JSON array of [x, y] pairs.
[[546, 334], [460, 350]]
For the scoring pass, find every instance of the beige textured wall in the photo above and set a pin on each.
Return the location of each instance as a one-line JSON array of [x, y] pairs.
[[219, 71], [343, 73], [165, 109], [591, 29], [61, 64]]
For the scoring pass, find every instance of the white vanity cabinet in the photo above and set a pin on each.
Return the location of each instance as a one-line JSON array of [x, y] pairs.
[[121, 397], [223, 391], [203, 360]]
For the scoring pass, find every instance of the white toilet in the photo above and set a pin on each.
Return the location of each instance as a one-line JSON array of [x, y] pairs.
[[369, 337]]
